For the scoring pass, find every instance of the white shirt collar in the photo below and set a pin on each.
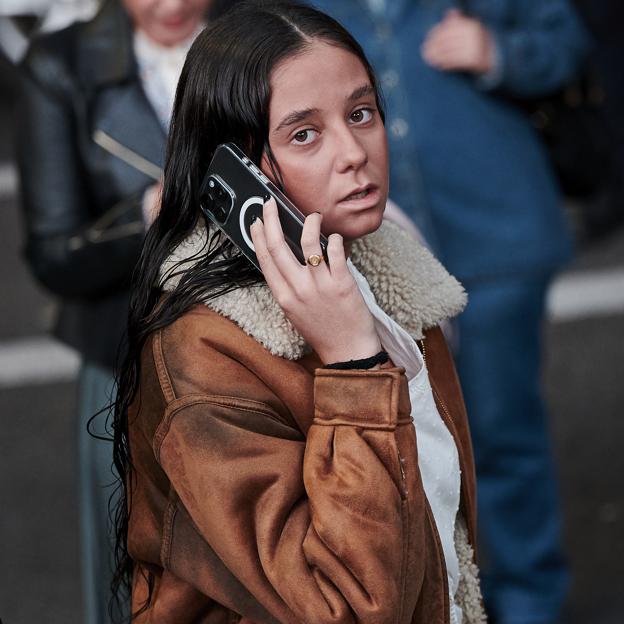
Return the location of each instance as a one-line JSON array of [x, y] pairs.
[[159, 70]]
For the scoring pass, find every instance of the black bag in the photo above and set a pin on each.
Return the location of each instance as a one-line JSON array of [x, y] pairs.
[[571, 124]]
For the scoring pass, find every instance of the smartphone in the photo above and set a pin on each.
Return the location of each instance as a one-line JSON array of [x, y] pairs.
[[232, 195]]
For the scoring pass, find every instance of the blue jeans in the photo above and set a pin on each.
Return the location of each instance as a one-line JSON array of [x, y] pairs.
[[524, 576], [96, 486]]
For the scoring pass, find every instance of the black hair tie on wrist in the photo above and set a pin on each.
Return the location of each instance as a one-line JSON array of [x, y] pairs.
[[380, 358]]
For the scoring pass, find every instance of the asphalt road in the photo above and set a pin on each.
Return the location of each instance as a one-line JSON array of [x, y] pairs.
[[39, 575]]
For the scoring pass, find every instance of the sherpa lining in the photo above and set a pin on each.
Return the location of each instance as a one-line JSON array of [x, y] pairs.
[[468, 595], [409, 284]]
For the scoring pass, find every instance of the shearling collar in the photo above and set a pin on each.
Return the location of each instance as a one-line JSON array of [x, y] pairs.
[[409, 284]]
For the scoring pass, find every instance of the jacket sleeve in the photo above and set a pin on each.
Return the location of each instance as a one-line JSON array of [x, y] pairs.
[[70, 250], [539, 48], [326, 530]]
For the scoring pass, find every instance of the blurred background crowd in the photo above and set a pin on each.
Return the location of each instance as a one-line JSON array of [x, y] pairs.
[[505, 121]]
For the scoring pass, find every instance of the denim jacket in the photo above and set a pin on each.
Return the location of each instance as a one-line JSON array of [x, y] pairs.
[[465, 163]]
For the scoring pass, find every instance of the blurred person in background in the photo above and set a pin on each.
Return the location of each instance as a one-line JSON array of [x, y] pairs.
[[96, 98], [45, 16], [470, 170]]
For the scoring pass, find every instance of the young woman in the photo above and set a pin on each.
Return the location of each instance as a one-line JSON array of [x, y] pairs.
[[293, 443]]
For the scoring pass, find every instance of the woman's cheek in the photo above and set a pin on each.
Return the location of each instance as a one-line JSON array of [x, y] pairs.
[[305, 196]]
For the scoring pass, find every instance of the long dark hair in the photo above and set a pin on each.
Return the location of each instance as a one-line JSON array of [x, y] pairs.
[[223, 95]]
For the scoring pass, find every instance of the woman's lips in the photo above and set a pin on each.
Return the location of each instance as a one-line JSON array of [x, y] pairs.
[[364, 199], [174, 22]]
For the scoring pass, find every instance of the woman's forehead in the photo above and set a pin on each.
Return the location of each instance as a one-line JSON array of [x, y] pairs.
[[321, 76]]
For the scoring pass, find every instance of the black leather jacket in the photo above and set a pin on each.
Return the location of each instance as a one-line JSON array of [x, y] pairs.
[[82, 203]]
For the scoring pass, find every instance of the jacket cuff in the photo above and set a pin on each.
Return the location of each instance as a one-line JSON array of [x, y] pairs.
[[373, 399]]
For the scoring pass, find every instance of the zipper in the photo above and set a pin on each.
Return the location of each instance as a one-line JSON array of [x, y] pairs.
[[448, 612], [465, 495], [424, 351], [129, 156], [437, 396], [94, 236]]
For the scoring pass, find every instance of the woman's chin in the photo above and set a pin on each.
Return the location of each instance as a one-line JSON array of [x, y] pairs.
[[361, 225]]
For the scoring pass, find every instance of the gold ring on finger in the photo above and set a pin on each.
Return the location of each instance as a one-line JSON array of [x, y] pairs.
[[314, 260]]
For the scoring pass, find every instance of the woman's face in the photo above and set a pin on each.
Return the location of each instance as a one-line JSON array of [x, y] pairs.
[[167, 22], [329, 140]]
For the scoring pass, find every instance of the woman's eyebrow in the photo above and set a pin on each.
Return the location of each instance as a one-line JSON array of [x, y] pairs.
[[295, 117], [300, 115], [366, 89]]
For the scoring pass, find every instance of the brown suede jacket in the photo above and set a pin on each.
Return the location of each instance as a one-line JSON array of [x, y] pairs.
[[267, 489]]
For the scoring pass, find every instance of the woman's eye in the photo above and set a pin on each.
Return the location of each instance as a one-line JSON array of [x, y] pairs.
[[303, 137], [361, 115]]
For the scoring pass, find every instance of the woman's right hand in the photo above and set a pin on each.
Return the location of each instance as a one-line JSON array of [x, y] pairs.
[[322, 302]]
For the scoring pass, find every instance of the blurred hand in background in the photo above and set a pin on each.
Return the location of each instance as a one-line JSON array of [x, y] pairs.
[[151, 203], [459, 43]]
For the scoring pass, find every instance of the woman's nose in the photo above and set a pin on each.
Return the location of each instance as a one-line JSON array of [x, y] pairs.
[[172, 5], [350, 152]]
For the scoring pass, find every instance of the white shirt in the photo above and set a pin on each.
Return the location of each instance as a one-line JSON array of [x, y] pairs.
[[438, 460], [159, 70]]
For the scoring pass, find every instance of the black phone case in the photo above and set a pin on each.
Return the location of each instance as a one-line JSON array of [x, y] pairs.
[[248, 188]]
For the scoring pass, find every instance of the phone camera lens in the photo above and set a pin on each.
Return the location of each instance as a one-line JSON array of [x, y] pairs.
[[217, 201], [206, 201]]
